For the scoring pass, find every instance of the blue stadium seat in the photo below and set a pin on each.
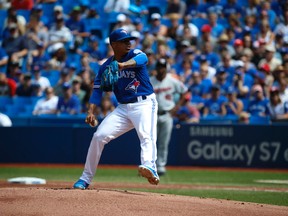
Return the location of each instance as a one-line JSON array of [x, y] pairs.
[[211, 119], [21, 101], [4, 101], [3, 15], [13, 110], [199, 22], [259, 120]]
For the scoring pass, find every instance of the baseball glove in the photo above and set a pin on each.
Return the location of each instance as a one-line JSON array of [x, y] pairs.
[[109, 77]]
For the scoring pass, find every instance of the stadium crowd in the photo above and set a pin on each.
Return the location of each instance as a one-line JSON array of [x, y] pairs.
[[232, 55]]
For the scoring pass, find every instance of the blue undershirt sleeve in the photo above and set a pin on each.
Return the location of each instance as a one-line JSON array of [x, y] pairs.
[[141, 59]]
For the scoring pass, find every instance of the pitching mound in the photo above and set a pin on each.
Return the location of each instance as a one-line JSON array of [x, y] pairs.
[[106, 199]]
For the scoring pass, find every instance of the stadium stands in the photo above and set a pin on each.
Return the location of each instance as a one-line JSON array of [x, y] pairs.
[[20, 108]]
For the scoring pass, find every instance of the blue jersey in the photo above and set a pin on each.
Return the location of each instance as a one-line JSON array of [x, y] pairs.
[[214, 105], [259, 107], [72, 104], [132, 82]]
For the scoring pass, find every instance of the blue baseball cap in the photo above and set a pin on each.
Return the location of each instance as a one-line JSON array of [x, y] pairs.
[[66, 85], [119, 35], [220, 70], [231, 90]]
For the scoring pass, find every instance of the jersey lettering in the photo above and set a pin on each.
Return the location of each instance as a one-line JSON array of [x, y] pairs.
[[127, 74], [159, 90]]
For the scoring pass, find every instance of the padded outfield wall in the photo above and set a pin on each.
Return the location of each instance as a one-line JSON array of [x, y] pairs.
[[191, 145]]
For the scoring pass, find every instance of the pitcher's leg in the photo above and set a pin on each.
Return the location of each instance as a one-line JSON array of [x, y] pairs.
[[165, 126], [144, 119], [111, 127]]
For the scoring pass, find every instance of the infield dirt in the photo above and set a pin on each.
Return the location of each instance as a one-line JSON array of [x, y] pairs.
[[57, 198]]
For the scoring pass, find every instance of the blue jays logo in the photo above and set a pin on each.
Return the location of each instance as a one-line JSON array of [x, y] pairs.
[[133, 85], [124, 31]]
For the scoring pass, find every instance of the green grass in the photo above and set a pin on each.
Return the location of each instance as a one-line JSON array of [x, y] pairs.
[[176, 176]]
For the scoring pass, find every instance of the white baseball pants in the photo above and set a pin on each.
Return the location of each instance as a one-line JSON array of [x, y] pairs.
[[142, 116]]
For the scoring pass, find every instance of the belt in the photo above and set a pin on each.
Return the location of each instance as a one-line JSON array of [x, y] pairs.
[[137, 99], [162, 112]]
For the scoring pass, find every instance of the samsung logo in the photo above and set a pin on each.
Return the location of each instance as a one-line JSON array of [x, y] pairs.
[[211, 131]]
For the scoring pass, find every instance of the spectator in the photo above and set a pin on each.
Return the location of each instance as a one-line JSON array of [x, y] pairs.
[[252, 8], [22, 5], [38, 57], [5, 121], [138, 8], [42, 81], [37, 11], [93, 51], [282, 83], [36, 34], [64, 78], [151, 61], [282, 27], [235, 26], [266, 33], [14, 72], [232, 8], [221, 80], [277, 107], [244, 118], [13, 17], [3, 60], [15, 45], [26, 88], [234, 106], [216, 28], [173, 26], [48, 104], [57, 12], [69, 102], [238, 48], [105, 108], [215, 105], [77, 26], [187, 31], [87, 84], [117, 6], [185, 71], [224, 46], [269, 58], [124, 22], [196, 87], [76, 89], [267, 13], [242, 80], [187, 112], [258, 104], [206, 81], [176, 6], [205, 64], [59, 33], [156, 28], [58, 57], [7, 86], [206, 37]]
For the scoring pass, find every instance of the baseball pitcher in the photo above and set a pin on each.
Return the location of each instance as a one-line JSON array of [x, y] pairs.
[[126, 75]]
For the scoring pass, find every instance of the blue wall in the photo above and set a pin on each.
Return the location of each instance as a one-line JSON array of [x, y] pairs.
[[194, 145]]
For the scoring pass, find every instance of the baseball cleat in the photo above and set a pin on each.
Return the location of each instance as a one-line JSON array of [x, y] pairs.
[[81, 184], [149, 173]]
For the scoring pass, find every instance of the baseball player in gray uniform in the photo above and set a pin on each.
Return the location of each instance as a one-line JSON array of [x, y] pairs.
[[137, 109], [165, 87]]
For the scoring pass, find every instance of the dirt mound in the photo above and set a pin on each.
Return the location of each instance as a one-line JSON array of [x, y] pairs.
[[105, 199]]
